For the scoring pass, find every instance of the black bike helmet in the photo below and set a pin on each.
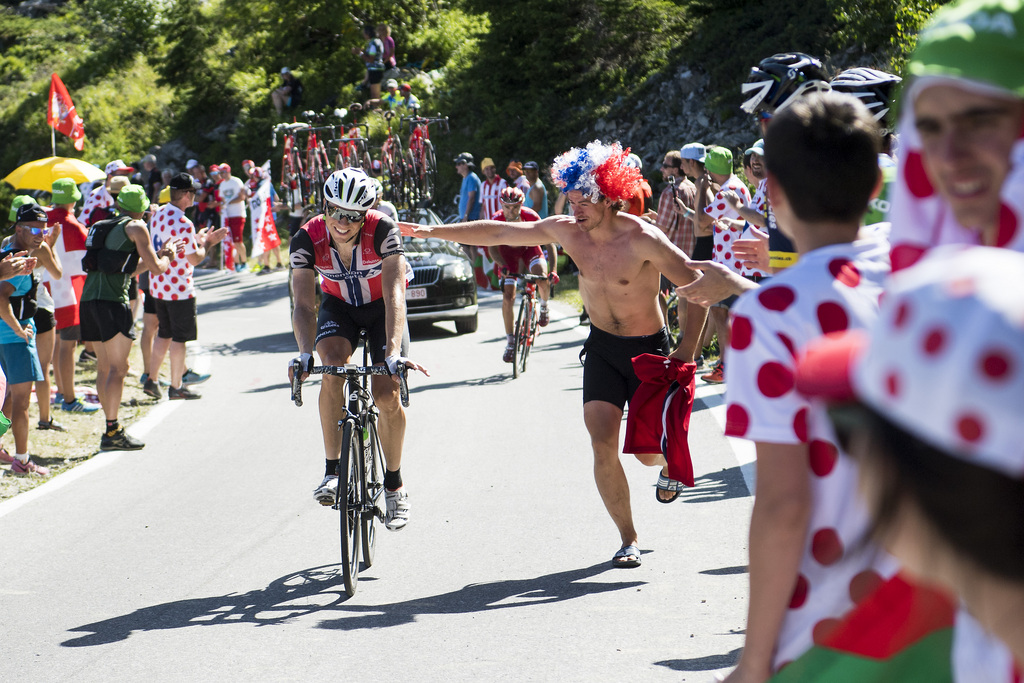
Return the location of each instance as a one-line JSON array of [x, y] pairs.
[[872, 87], [778, 80]]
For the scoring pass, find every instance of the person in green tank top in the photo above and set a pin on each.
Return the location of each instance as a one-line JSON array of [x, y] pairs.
[[106, 316]]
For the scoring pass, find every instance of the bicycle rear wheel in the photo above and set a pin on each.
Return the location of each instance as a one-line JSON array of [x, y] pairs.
[[349, 504], [373, 491], [522, 331], [428, 179]]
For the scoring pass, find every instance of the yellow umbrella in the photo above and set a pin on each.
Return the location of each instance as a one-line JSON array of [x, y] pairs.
[[40, 174]]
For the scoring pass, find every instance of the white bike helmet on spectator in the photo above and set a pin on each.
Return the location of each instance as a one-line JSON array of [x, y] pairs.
[[872, 87], [778, 80], [350, 189]]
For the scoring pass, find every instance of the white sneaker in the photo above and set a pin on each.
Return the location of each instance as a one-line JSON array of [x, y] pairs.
[[327, 491], [398, 509]]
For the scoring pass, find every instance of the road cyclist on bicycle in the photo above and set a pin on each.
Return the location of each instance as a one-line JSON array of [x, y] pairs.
[[359, 257], [518, 260]]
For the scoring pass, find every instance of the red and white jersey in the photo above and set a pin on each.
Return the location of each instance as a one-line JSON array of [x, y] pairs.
[[729, 226], [490, 195], [361, 282], [98, 198], [830, 289], [69, 249], [170, 223]]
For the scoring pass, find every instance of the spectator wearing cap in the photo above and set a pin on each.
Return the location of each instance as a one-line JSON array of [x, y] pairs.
[[491, 187], [392, 98], [105, 312], [233, 195], [101, 197], [537, 197], [469, 193], [19, 356], [514, 171], [173, 290], [289, 94], [407, 99], [939, 459], [67, 237]]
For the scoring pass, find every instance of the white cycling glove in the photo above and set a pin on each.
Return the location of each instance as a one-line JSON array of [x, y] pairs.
[[305, 361], [393, 362]]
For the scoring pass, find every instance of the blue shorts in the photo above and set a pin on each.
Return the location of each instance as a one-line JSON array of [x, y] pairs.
[[20, 362]]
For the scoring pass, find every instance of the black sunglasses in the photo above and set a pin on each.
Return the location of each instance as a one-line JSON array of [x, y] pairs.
[[339, 214]]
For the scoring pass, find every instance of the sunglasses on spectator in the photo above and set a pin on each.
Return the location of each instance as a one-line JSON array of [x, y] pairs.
[[35, 231], [341, 214]]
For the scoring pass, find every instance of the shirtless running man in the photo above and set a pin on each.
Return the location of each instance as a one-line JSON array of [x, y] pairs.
[[621, 259]]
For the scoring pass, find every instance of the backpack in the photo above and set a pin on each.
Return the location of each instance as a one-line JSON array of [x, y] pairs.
[[99, 258]]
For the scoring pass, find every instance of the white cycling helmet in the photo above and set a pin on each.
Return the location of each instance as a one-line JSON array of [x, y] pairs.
[[350, 189], [378, 187]]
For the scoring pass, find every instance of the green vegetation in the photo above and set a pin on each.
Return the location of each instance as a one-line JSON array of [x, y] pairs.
[[517, 79]]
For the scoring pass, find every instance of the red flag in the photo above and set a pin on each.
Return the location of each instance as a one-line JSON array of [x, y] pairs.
[[61, 113]]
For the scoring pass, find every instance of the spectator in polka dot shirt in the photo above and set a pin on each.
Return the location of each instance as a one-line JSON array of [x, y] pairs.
[[807, 564], [173, 291], [729, 227]]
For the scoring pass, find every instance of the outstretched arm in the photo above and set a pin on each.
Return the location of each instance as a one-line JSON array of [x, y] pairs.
[[489, 233]]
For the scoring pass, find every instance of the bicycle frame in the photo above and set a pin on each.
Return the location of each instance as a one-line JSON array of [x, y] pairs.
[[527, 321]]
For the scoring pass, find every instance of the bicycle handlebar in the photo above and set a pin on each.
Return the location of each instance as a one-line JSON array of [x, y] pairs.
[[350, 371], [529, 277]]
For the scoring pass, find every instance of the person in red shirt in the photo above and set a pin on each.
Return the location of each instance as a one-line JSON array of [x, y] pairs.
[[518, 260]]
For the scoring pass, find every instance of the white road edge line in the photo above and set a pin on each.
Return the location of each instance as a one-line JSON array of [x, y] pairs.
[[160, 412]]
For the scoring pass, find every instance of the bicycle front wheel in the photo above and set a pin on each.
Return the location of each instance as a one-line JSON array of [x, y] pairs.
[[373, 490], [349, 503], [522, 332], [529, 333]]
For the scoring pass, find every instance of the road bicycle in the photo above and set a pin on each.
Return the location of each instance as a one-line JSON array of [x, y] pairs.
[[293, 174], [424, 161], [318, 164], [393, 165], [359, 498], [528, 320], [352, 145]]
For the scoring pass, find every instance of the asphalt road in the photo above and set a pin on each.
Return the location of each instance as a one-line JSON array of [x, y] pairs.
[[203, 557]]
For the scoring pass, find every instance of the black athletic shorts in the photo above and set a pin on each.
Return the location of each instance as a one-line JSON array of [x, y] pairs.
[[44, 320], [176, 320], [339, 319], [704, 248], [103, 320], [608, 368], [374, 76]]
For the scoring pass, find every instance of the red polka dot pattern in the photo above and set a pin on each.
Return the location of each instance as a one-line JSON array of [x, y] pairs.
[[902, 314], [1007, 231], [822, 456], [892, 384], [774, 379], [970, 428], [823, 629], [826, 547], [905, 255], [864, 584], [832, 317], [776, 298], [996, 365], [742, 333], [788, 343], [737, 421], [845, 272], [916, 177], [800, 425], [934, 342], [800, 590]]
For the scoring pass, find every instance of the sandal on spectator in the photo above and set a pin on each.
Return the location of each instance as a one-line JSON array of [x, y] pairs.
[[668, 486], [627, 557]]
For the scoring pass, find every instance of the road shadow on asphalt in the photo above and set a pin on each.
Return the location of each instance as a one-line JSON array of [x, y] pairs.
[[321, 590], [709, 663], [724, 485], [248, 293]]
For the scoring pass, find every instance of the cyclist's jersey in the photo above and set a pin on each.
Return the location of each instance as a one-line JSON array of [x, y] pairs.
[[362, 282], [781, 251], [519, 258]]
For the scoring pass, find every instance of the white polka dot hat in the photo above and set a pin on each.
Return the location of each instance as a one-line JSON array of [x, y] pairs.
[[945, 358]]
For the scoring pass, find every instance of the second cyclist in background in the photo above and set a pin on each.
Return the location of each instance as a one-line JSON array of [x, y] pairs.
[[359, 256], [518, 260]]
